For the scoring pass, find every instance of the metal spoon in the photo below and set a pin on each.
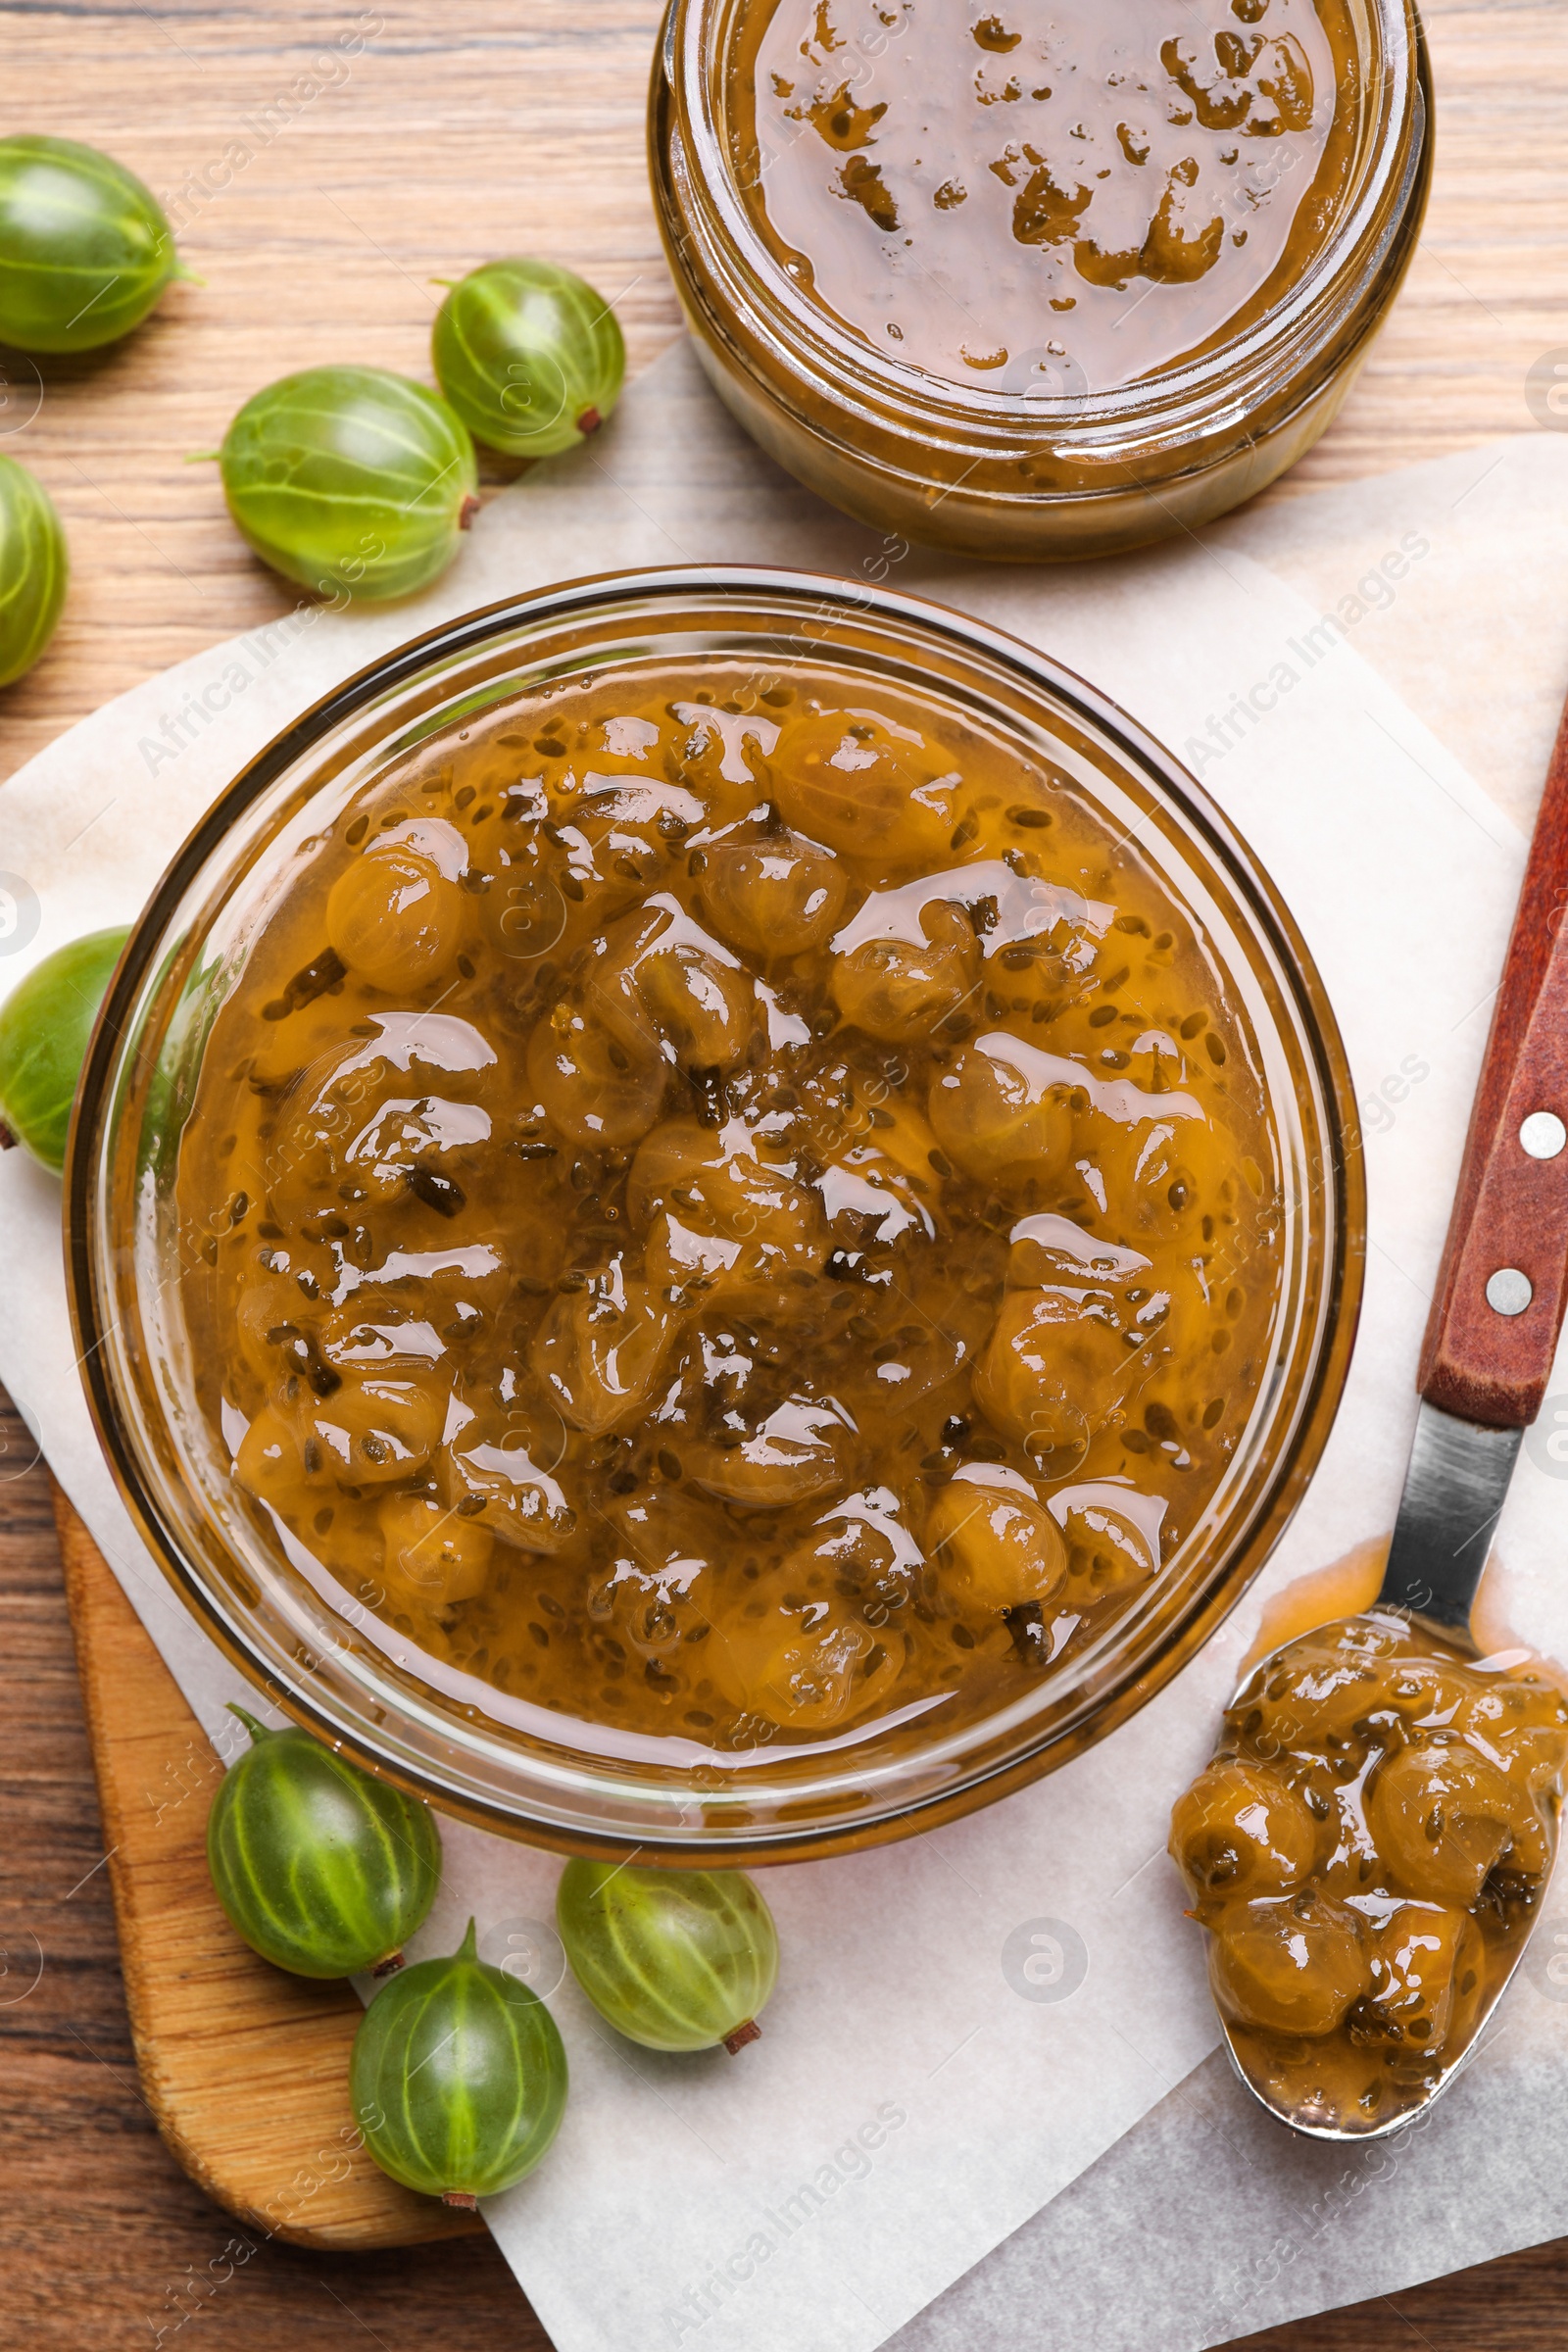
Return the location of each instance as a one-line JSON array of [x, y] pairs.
[[1495, 1319]]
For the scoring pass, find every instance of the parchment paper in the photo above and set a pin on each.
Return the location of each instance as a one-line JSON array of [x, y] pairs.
[[1207, 2220], [968, 2023]]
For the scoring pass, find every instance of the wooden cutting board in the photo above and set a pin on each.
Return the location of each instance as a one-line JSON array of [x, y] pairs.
[[245, 2068]]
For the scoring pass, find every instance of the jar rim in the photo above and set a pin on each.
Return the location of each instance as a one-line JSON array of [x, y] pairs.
[[693, 59]]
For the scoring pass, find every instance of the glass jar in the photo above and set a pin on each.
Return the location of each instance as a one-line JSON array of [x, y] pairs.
[[265, 1599], [1029, 476]]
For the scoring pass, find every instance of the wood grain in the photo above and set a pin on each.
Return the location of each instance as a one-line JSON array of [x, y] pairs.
[[245, 2068], [498, 125], [480, 128], [103, 2239]]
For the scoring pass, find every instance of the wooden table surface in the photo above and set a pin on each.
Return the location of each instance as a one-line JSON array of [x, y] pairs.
[[425, 141]]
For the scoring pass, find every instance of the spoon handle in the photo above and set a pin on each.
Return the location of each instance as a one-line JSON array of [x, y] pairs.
[[1503, 1283]]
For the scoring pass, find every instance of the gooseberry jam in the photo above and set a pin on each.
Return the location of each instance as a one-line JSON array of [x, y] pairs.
[[1045, 203], [1033, 284], [1367, 1850], [728, 1210]]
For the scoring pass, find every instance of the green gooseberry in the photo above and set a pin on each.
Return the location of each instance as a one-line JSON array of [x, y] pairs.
[[322, 1868], [457, 2078], [351, 480], [34, 568], [85, 249], [45, 1024], [530, 356], [675, 1959]]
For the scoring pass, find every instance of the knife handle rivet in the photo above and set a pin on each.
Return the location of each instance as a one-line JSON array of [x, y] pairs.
[[1542, 1135], [1509, 1291]]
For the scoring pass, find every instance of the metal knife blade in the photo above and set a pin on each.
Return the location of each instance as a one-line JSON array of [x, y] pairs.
[[1454, 1488]]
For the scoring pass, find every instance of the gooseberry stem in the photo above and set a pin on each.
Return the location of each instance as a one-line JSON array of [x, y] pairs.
[[466, 512], [8, 1141], [589, 422], [390, 1966], [257, 1731], [735, 2042], [460, 2198]]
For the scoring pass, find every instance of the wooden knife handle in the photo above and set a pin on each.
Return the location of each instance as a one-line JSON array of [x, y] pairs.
[[1510, 1216]]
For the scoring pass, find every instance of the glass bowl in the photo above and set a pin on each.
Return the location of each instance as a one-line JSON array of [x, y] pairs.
[[323, 1655], [1063, 470]]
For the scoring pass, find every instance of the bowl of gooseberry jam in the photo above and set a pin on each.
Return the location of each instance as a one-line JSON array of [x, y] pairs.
[[714, 1215]]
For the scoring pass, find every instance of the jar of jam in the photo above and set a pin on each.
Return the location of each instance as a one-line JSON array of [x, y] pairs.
[[714, 1218], [1030, 288]]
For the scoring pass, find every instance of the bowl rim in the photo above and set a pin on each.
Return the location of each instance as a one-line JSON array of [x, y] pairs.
[[1343, 1184]]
